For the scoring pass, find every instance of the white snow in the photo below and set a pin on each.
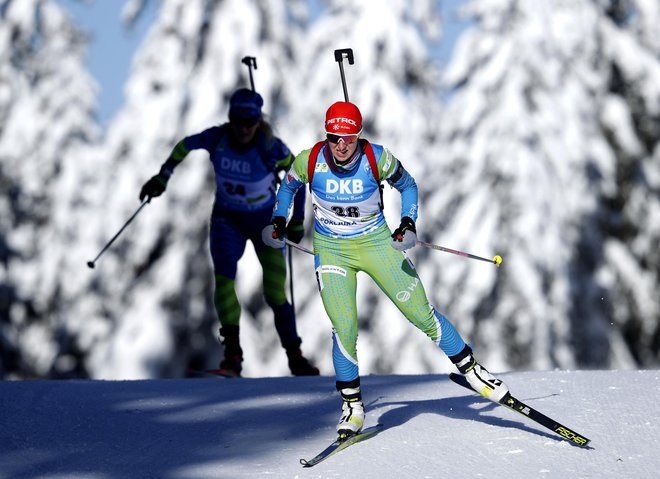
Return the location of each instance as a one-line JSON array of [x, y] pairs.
[[261, 427]]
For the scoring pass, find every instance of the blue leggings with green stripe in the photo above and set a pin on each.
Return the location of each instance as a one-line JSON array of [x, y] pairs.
[[337, 262], [229, 233]]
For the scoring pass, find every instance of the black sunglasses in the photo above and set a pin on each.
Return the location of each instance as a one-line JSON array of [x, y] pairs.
[[248, 122]]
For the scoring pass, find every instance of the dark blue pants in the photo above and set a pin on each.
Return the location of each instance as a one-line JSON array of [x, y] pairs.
[[229, 233]]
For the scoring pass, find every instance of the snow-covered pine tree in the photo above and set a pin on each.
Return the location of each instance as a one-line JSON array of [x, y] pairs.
[[530, 164], [630, 214], [47, 100]]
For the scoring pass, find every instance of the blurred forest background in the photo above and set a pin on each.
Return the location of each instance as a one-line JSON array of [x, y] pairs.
[[538, 140]]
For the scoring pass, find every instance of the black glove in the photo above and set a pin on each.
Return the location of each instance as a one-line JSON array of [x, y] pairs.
[[405, 236], [295, 230], [273, 235], [154, 187]]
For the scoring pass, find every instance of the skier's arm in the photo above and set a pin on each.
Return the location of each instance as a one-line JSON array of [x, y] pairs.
[[285, 164], [405, 236], [288, 188], [283, 161], [392, 170], [405, 184], [296, 228], [299, 205], [158, 183], [274, 234], [293, 180]]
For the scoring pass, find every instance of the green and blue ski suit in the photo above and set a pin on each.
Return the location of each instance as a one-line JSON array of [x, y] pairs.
[[351, 235]]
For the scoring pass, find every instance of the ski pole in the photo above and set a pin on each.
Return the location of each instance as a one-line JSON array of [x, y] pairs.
[[290, 259], [497, 260], [339, 57], [301, 248], [91, 263], [298, 247], [250, 62]]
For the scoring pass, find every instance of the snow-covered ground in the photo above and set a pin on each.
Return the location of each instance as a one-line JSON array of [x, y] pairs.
[[240, 428]]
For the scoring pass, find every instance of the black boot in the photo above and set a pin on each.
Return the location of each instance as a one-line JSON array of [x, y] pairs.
[[231, 364], [298, 364]]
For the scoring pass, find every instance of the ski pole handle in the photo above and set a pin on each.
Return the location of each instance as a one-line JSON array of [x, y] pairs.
[[497, 259], [339, 58], [250, 62]]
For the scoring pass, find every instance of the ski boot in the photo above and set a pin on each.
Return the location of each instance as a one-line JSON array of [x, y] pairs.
[[299, 365], [352, 412], [479, 378], [231, 366]]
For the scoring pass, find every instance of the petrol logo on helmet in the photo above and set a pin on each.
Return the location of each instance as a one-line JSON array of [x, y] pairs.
[[341, 120]]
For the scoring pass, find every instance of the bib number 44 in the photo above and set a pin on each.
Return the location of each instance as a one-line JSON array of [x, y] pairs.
[[234, 189]]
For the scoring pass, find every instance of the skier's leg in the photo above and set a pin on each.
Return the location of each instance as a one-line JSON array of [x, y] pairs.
[[397, 277], [273, 266], [227, 247], [337, 284], [395, 274]]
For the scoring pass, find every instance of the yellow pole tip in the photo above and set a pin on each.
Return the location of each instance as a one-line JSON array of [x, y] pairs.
[[497, 259]]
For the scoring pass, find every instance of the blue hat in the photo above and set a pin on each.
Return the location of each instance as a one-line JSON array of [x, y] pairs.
[[245, 103]]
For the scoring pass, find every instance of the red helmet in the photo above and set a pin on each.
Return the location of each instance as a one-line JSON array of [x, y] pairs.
[[343, 118]]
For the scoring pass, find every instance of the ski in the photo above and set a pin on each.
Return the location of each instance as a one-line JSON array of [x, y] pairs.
[[218, 373], [516, 405], [339, 444]]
